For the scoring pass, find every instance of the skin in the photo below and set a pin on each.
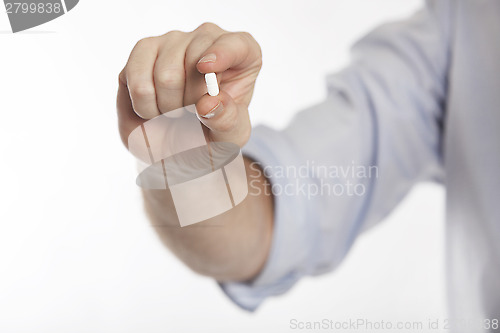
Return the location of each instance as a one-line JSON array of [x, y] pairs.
[[167, 72]]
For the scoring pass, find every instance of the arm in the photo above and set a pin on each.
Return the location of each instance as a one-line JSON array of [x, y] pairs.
[[165, 73], [385, 110], [383, 113]]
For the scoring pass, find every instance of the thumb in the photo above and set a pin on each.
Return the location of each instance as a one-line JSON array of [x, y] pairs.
[[226, 120]]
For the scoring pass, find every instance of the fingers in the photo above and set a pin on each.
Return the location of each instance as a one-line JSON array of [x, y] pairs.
[[227, 120], [169, 72], [230, 50], [139, 78], [163, 74]]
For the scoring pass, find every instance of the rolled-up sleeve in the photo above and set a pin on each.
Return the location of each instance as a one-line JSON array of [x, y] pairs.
[[341, 166]]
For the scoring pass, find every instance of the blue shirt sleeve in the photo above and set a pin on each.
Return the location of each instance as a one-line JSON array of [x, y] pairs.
[[341, 166]]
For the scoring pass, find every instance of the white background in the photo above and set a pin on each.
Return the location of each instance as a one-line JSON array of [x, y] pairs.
[[76, 251]]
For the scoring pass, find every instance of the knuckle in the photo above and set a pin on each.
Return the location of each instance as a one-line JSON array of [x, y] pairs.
[[174, 34], [208, 27], [141, 91], [171, 78], [251, 40], [146, 42], [247, 36], [252, 45], [241, 37]]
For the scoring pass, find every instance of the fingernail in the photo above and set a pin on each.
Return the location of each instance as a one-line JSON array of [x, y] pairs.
[[215, 110], [208, 58]]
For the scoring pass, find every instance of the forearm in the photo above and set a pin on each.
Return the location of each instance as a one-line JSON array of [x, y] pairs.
[[232, 246]]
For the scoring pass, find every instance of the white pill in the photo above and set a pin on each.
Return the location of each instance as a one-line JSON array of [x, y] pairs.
[[212, 85]]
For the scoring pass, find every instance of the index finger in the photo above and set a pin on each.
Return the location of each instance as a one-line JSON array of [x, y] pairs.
[[232, 50]]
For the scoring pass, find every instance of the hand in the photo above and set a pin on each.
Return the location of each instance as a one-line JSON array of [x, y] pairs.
[[167, 72]]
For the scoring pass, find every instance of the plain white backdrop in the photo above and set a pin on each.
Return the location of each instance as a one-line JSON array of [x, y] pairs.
[[76, 251]]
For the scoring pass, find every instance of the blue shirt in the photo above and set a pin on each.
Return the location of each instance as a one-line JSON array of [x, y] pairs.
[[420, 101]]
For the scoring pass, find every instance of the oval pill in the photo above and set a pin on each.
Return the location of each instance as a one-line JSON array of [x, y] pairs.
[[212, 85]]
